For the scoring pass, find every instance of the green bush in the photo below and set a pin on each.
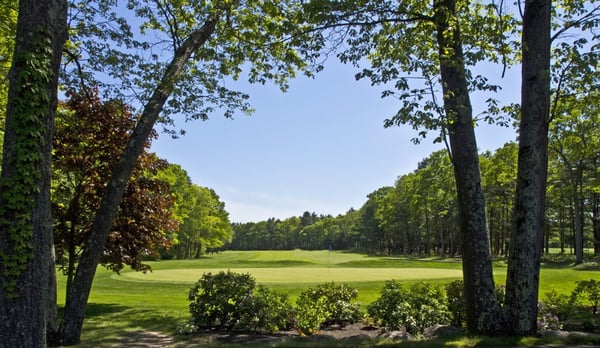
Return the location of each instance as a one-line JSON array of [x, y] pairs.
[[218, 300], [455, 292], [586, 294], [421, 306], [228, 300], [556, 304], [456, 301], [266, 310], [326, 305], [338, 303], [310, 314]]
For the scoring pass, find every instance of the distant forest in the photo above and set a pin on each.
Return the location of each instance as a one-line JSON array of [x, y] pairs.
[[418, 214]]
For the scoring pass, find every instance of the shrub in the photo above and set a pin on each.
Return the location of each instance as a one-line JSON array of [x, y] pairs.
[[456, 301], [546, 319], [218, 300], [229, 300], [421, 306], [266, 310], [556, 304], [338, 302], [310, 314], [455, 293], [325, 305], [586, 293]]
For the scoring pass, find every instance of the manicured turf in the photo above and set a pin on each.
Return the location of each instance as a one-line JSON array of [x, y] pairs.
[[299, 275], [158, 301]]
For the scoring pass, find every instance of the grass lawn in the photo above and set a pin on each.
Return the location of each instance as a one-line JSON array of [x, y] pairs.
[[157, 301]]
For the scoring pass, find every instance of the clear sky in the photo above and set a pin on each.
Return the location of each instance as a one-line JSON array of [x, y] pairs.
[[320, 147]]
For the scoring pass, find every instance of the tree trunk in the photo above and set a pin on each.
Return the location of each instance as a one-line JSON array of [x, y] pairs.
[[578, 214], [26, 230], [596, 221], [482, 306], [524, 261], [70, 329]]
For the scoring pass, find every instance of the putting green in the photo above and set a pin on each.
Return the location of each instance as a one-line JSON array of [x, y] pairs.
[[288, 275]]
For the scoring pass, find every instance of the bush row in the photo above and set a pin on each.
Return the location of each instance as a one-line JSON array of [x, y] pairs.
[[233, 301]]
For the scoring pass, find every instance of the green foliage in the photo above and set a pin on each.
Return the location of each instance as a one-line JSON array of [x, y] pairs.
[[153, 306], [310, 313], [21, 182], [455, 292], [204, 222], [336, 300], [578, 311], [586, 293], [8, 27], [229, 300], [217, 299], [89, 136], [258, 40], [557, 304], [266, 310], [456, 300], [415, 308]]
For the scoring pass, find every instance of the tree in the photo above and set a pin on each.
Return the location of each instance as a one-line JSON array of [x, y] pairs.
[[203, 220], [26, 268], [574, 141], [539, 19], [88, 138], [499, 171], [8, 27], [438, 42], [522, 280], [575, 77], [209, 40]]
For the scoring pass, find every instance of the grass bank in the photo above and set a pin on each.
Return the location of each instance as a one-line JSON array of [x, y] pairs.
[[121, 305]]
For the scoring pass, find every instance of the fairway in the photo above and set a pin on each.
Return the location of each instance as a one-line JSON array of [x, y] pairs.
[[291, 275]]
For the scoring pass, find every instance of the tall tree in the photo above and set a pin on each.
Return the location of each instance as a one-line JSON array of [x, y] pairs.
[[209, 40], [522, 282], [499, 171], [8, 26], [439, 42], [89, 136], [25, 223]]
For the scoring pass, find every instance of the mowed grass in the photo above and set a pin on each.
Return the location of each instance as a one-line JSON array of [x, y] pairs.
[[306, 275], [158, 301]]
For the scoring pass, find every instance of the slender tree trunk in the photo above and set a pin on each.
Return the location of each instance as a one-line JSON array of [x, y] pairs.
[[26, 231], [578, 217], [596, 221], [524, 261], [482, 306], [70, 329]]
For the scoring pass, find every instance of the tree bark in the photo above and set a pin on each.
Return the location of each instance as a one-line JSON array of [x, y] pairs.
[[70, 329], [524, 261], [482, 306], [596, 221], [26, 311]]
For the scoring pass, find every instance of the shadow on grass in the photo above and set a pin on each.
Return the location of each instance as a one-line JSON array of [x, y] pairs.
[[110, 325], [319, 341], [448, 342]]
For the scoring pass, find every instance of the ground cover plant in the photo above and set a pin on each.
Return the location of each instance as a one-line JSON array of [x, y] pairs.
[[127, 304]]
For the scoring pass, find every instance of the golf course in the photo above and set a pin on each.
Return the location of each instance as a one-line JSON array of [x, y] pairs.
[[157, 301]]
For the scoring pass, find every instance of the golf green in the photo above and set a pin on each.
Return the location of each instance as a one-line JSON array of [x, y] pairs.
[[289, 275]]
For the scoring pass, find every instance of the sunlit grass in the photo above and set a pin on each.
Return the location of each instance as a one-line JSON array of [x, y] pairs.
[[298, 275], [158, 301]]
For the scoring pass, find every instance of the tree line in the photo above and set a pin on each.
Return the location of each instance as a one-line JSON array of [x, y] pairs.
[[426, 53], [418, 214]]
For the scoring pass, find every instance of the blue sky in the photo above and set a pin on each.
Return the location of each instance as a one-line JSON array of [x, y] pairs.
[[320, 147]]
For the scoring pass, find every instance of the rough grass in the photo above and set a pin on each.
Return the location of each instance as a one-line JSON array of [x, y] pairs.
[[122, 306]]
